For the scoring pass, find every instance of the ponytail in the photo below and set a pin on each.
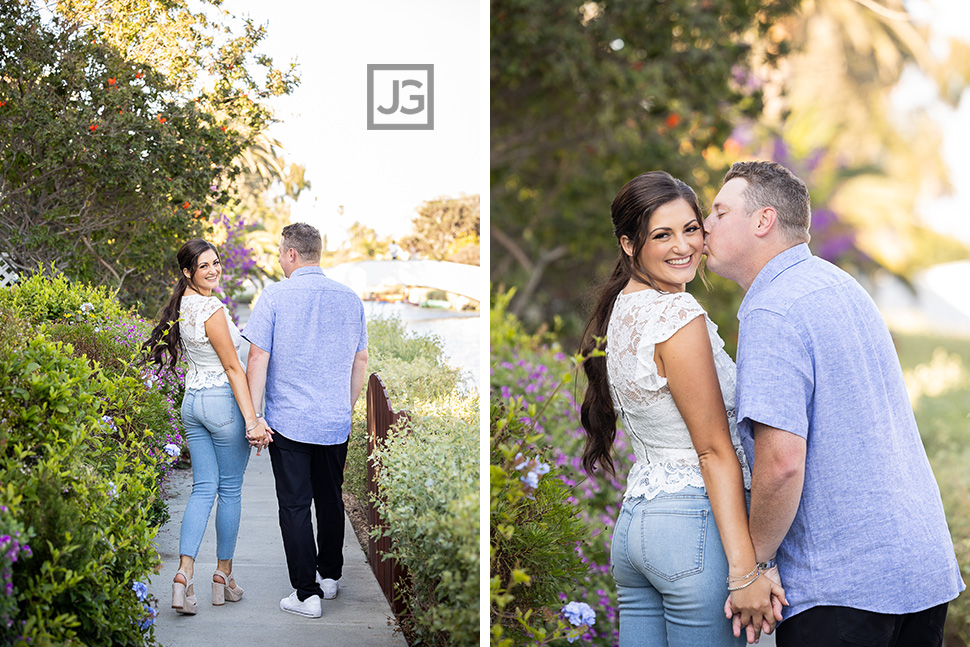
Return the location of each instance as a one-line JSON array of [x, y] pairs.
[[165, 338], [597, 414]]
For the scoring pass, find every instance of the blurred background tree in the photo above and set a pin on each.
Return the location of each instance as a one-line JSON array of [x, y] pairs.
[[585, 98], [121, 129], [447, 229]]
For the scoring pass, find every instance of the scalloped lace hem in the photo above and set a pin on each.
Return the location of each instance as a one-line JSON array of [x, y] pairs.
[[648, 480], [206, 379]]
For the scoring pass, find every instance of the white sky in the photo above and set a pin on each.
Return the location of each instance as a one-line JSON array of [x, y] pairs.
[[378, 176]]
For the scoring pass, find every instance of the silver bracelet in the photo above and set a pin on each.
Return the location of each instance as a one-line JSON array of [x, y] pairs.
[[743, 577], [746, 584], [767, 566]]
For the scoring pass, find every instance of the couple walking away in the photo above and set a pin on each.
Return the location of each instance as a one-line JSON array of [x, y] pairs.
[[797, 485], [308, 356]]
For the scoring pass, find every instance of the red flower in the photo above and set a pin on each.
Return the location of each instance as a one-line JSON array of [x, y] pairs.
[[223, 128], [186, 205], [161, 119], [93, 127], [673, 119], [2, 103], [139, 75], [112, 81]]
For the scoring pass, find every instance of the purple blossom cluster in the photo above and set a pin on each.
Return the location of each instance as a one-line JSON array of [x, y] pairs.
[[533, 377], [12, 549], [237, 261], [131, 332]]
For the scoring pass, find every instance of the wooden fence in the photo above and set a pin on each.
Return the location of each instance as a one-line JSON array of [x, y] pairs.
[[380, 417]]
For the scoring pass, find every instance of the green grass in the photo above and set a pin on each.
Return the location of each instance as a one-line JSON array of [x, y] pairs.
[[937, 371]]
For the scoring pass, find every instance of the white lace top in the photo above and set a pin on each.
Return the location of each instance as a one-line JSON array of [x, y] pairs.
[[204, 368], [665, 457]]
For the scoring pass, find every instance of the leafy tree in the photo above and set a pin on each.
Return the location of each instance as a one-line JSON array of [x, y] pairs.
[[586, 96], [447, 229], [113, 151], [267, 185]]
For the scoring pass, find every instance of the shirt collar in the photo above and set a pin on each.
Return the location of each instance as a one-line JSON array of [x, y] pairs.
[[781, 262], [306, 269]]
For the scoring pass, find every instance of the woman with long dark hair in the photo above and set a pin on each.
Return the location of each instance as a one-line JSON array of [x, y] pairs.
[[217, 412], [682, 532]]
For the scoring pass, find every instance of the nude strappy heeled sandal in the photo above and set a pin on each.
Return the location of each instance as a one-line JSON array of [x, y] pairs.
[[183, 601], [221, 591]]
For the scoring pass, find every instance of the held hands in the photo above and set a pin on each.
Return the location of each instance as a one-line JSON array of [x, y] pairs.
[[259, 436], [757, 607]]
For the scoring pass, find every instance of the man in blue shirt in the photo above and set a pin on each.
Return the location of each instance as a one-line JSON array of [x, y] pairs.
[[842, 493], [308, 354]]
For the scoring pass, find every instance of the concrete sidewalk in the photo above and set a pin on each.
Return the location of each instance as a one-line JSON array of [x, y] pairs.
[[358, 616]]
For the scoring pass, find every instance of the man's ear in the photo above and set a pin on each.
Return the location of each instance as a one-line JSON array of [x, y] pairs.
[[766, 221]]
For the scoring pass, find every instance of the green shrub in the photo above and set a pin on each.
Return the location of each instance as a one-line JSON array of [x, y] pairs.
[[83, 488], [531, 376], [48, 295], [534, 533], [415, 373], [429, 481], [429, 492]]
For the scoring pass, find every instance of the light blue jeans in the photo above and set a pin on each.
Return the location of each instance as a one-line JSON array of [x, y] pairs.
[[670, 573], [216, 435]]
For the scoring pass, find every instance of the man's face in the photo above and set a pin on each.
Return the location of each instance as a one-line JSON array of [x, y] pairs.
[[727, 243]]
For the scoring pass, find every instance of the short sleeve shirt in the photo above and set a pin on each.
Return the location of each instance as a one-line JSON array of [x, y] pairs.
[[816, 359], [312, 327]]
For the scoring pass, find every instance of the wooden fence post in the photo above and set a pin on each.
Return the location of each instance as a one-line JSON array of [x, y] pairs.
[[380, 418]]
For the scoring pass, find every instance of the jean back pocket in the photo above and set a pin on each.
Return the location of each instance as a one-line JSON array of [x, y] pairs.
[[673, 541]]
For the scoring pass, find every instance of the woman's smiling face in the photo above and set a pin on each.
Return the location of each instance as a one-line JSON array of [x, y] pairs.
[[207, 273], [673, 247]]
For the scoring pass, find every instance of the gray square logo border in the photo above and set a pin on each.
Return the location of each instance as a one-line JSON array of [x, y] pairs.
[[426, 67]]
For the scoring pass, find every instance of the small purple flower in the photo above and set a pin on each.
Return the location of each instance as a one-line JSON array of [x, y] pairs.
[[531, 479], [149, 618], [172, 450], [140, 589], [579, 614]]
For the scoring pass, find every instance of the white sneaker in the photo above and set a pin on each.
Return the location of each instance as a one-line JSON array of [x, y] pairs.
[[329, 587], [310, 607]]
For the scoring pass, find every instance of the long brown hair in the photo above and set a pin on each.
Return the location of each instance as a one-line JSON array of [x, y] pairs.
[[631, 211], [165, 338]]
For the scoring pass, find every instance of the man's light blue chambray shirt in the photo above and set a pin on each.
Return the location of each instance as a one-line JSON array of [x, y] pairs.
[[312, 327], [815, 359]]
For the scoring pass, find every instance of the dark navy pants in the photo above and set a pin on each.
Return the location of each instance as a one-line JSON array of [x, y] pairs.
[[306, 474]]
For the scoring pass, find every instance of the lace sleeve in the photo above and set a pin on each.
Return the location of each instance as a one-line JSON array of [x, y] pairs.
[[669, 314], [197, 314]]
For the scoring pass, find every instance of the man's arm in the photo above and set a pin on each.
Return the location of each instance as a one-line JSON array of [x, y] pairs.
[[256, 367], [776, 487], [357, 376]]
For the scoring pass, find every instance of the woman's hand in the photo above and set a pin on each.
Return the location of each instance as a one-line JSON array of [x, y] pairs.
[[259, 436], [749, 609], [752, 608]]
